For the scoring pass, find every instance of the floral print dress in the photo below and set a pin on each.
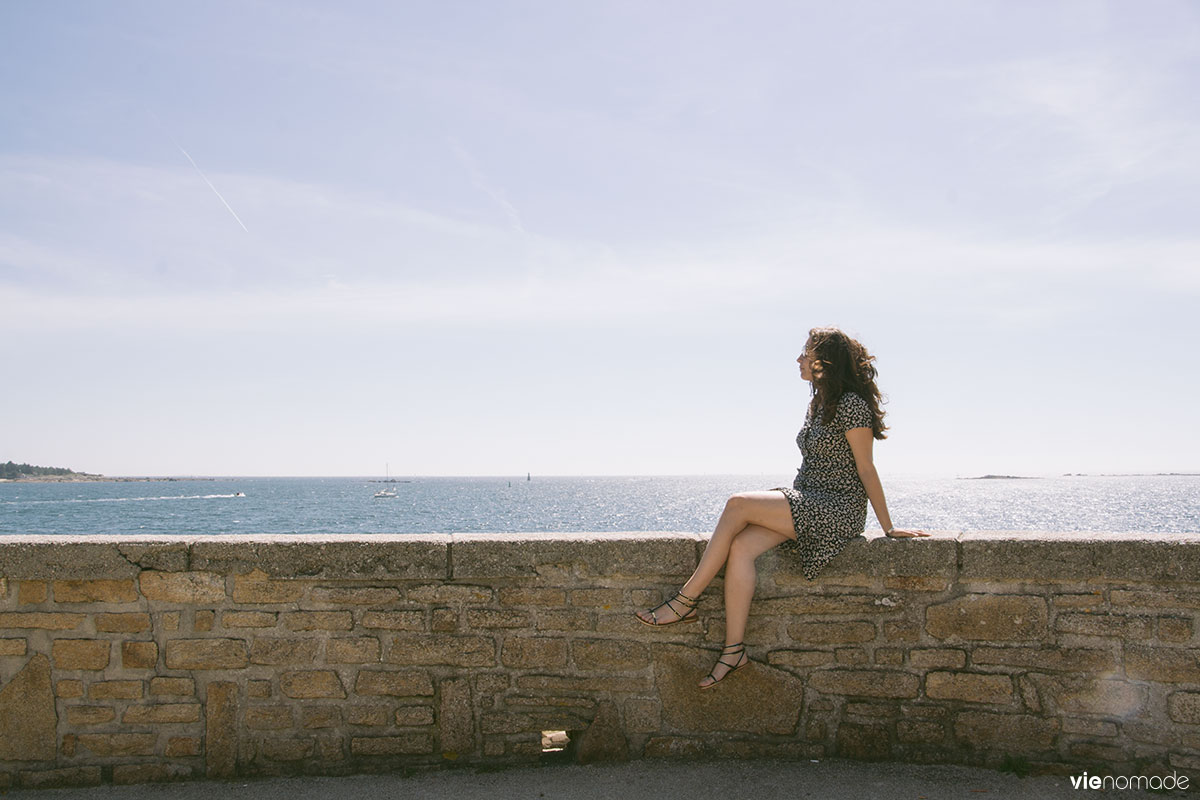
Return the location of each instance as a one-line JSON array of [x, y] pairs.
[[829, 503]]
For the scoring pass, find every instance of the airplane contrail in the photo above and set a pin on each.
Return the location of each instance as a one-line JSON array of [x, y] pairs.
[[206, 180]]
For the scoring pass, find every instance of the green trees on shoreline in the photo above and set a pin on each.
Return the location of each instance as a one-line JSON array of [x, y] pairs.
[[13, 471]]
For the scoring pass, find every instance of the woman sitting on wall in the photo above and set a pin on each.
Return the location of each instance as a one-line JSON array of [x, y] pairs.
[[816, 518]]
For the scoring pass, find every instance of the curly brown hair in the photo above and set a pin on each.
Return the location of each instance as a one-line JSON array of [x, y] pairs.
[[841, 364]]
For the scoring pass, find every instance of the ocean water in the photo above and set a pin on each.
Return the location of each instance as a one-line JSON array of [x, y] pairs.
[[1151, 504]]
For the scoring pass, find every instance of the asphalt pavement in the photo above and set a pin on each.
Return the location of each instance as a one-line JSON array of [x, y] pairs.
[[653, 780]]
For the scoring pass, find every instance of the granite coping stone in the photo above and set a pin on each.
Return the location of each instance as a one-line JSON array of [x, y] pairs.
[[1033, 556]]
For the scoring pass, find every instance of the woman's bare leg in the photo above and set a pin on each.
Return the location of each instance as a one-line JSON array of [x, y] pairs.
[[740, 577], [769, 510]]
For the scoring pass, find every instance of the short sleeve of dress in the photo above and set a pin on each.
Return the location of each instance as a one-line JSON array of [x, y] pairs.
[[853, 412]]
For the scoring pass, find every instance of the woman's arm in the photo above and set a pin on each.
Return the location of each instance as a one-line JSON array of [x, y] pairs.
[[862, 445]]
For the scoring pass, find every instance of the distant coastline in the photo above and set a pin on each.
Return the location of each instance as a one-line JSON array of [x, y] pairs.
[[29, 473]]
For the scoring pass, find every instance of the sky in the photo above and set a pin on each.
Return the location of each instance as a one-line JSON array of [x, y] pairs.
[[491, 238]]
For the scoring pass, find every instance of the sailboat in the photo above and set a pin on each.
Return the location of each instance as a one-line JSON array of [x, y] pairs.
[[386, 493]]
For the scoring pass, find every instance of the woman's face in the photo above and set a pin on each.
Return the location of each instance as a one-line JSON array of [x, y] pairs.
[[805, 362]]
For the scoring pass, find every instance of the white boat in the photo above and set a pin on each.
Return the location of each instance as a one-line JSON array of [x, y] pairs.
[[386, 493]]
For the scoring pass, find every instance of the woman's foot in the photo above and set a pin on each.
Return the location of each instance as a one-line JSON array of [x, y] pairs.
[[733, 657], [679, 608]]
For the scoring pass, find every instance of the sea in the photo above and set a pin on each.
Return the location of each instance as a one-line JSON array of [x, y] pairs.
[[332, 506]]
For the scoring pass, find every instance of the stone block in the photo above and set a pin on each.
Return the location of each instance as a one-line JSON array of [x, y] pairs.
[[595, 683], [933, 658], [1176, 630], [12, 647], [920, 731], [643, 715], [43, 620], [27, 714], [1067, 659], [413, 620], [604, 655], [1005, 733], [674, 747], [444, 620], [901, 631], [95, 591], [172, 687], [257, 587], [515, 555], [139, 655], [1163, 664], [863, 741], [363, 650], [356, 595], [90, 715], [917, 583], [287, 749], [133, 622], [130, 774], [603, 740], [162, 713], [874, 555], [1184, 707], [190, 588], [182, 747], [204, 620], [889, 656], [454, 651], [90, 654], [204, 654], [368, 716], [404, 744], [456, 727], [68, 689], [366, 557], [413, 716], [220, 730], [319, 620], [393, 683], [1154, 600], [249, 619], [449, 593], [268, 718], [799, 658], [116, 690], [604, 598], [865, 683], [62, 777], [1115, 625], [988, 617], [1050, 557], [495, 618], [284, 651], [759, 698], [533, 596], [970, 687], [1088, 727], [169, 620], [317, 717], [307, 684], [118, 744], [533, 653], [1088, 694], [32, 592], [831, 632], [850, 655], [565, 619]]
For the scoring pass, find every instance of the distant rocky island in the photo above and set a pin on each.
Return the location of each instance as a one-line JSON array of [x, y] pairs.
[[1000, 478], [12, 472]]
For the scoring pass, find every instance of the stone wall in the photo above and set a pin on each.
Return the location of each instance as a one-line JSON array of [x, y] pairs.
[[144, 659]]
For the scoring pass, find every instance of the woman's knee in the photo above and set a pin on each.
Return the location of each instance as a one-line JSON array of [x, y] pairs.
[[738, 504]]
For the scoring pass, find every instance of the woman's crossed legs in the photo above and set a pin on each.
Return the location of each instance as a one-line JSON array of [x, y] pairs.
[[751, 524]]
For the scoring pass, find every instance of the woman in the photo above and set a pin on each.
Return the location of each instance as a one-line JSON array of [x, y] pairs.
[[814, 520]]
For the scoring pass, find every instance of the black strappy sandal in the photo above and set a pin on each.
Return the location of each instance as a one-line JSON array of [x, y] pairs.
[[689, 615], [741, 660]]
